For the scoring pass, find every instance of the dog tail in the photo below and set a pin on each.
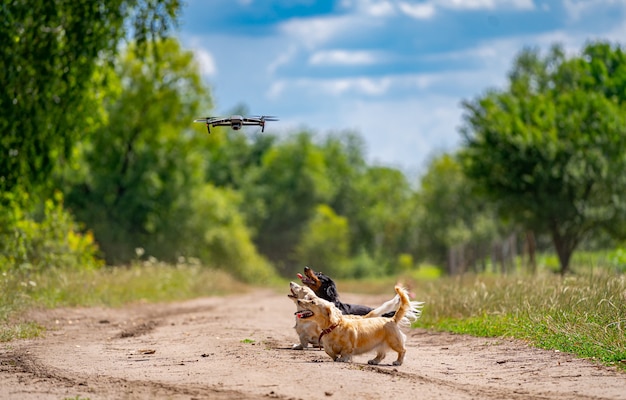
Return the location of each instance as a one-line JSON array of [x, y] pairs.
[[390, 306], [405, 305]]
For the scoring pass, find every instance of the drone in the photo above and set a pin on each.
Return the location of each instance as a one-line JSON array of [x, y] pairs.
[[235, 121]]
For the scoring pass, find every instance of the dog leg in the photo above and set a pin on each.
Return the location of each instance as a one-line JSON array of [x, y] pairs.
[[397, 344], [304, 342], [331, 353], [380, 354], [344, 358], [400, 359]]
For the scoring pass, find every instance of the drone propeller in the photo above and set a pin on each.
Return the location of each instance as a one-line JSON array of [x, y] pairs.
[[206, 120], [265, 117]]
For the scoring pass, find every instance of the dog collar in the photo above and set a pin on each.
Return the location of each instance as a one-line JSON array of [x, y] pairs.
[[324, 332]]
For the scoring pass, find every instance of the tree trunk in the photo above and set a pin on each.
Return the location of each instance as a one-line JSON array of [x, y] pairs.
[[564, 246], [530, 247], [512, 251], [451, 261]]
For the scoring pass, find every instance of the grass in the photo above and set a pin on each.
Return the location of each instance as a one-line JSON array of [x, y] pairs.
[[583, 315], [111, 287]]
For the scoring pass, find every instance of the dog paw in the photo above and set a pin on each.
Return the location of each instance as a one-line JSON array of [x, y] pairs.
[[397, 363], [297, 347], [373, 362]]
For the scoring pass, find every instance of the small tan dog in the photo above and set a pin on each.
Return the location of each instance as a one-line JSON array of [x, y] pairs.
[[308, 330], [343, 337]]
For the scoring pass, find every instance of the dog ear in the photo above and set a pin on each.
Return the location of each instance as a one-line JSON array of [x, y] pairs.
[[334, 314], [331, 292]]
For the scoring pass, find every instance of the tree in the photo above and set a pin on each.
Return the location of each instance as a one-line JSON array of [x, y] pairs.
[[231, 154], [282, 193], [551, 149], [49, 52], [345, 161], [325, 242], [453, 215], [215, 232], [140, 167], [385, 212]]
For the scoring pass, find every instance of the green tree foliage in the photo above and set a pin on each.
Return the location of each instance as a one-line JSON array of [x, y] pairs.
[[551, 148], [378, 204], [282, 193], [452, 214], [140, 163], [297, 177], [345, 161], [325, 243], [384, 214], [140, 182], [32, 240], [216, 233], [48, 55], [232, 154]]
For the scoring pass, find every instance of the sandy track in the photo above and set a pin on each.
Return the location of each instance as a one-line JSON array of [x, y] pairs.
[[239, 347]]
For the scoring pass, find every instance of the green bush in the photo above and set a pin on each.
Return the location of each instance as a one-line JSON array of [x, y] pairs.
[[218, 236], [37, 237], [325, 242]]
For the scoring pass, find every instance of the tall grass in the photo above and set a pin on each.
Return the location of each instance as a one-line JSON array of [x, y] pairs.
[[150, 281], [584, 314]]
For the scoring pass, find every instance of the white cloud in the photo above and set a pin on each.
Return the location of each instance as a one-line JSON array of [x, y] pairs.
[[342, 57], [485, 4], [362, 85], [580, 9], [418, 11], [206, 62], [574, 9], [282, 59], [405, 133], [618, 33], [379, 9], [389, 86], [428, 9], [334, 87], [374, 8], [313, 32]]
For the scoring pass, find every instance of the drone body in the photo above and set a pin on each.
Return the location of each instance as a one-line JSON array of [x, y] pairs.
[[235, 121]]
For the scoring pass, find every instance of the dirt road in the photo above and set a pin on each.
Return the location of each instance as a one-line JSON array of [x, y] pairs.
[[239, 347]]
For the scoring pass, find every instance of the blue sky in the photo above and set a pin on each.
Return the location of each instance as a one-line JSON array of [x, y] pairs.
[[393, 71]]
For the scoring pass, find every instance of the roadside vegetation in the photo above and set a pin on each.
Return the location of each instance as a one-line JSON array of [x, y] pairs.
[[149, 281], [583, 313]]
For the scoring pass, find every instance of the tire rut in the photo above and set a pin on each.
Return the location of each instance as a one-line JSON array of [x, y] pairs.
[[110, 387]]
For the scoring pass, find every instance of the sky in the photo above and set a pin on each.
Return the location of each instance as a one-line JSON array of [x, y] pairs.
[[393, 71]]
